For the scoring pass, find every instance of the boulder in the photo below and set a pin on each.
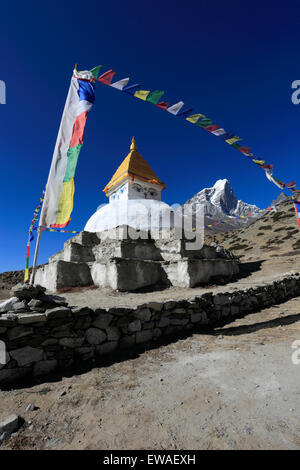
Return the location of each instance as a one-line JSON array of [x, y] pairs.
[[81, 311], [95, 336], [143, 314], [27, 355], [58, 312], [102, 320], [8, 304], [27, 291], [10, 424], [33, 303], [134, 326], [113, 333], [19, 306], [53, 300]]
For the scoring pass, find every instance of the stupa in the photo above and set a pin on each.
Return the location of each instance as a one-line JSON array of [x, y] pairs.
[[135, 241], [134, 194]]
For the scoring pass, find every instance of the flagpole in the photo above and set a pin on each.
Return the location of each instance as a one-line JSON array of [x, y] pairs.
[[36, 252]]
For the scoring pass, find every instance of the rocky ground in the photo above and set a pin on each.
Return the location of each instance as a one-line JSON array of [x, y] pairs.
[[235, 388], [9, 279], [275, 234]]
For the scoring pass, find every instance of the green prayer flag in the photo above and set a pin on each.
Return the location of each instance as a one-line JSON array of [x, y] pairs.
[[73, 154], [155, 96], [95, 71]]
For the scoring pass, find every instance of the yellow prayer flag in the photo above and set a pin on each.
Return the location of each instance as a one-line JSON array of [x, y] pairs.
[[142, 94], [65, 206], [233, 140], [195, 117]]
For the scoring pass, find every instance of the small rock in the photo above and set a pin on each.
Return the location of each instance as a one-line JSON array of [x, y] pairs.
[[10, 424], [52, 442], [35, 303], [53, 299], [4, 436], [19, 306], [58, 312], [63, 393], [8, 304], [31, 407]]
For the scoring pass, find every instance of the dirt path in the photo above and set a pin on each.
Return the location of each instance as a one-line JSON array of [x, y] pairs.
[[234, 389]]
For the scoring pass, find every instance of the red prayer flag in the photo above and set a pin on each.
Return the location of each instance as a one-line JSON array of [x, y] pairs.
[[162, 105], [106, 77], [211, 128]]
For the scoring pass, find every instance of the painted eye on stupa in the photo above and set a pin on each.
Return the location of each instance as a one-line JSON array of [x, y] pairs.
[[153, 193], [138, 188]]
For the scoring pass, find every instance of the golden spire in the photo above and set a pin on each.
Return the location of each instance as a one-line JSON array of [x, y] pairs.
[[133, 145], [134, 166]]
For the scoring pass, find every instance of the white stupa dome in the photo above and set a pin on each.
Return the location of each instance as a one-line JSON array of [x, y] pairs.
[[140, 214]]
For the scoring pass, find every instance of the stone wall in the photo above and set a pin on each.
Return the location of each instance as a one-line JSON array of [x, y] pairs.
[[44, 333]]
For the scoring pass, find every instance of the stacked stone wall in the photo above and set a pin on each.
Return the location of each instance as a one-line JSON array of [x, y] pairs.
[[42, 334]]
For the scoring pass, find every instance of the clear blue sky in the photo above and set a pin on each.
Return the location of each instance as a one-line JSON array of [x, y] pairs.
[[233, 61]]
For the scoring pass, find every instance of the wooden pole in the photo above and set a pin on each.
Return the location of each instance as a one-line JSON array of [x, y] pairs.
[[36, 252]]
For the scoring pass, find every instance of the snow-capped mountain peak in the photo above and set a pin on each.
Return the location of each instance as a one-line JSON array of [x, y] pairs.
[[220, 201], [221, 183]]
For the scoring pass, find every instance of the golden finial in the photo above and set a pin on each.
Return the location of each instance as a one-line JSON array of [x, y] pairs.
[[133, 144]]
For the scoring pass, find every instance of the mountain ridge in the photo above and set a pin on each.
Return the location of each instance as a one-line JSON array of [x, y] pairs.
[[220, 202]]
